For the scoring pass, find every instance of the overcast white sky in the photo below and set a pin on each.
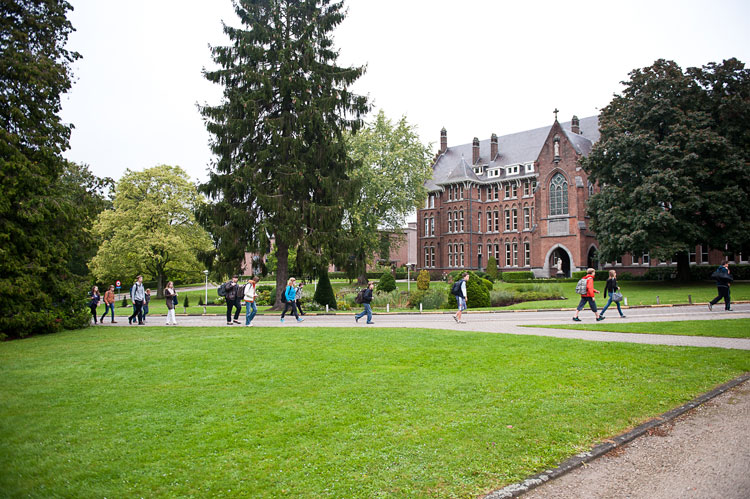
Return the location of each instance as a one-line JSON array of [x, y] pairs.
[[474, 66]]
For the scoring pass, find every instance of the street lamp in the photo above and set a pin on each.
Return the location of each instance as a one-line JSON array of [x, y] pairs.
[[408, 280], [205, 302]]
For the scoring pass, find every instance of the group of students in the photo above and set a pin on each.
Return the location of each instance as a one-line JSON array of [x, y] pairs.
[[235, 294], [139, 296]]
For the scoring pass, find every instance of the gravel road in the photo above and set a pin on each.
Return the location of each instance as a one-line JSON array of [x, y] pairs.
[[704, 454]]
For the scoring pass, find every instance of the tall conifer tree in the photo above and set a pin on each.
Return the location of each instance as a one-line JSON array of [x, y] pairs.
[[282, 166]]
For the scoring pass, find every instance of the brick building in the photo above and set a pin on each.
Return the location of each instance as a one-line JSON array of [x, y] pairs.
[[522, 199]]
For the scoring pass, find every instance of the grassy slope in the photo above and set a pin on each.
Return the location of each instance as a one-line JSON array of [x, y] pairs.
[[726, 328], [314, 412]]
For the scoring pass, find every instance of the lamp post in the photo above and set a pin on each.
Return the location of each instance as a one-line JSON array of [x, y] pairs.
[[408, 279], [205, 302]]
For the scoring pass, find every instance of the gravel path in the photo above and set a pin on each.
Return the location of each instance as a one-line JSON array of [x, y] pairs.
[[704, 453]]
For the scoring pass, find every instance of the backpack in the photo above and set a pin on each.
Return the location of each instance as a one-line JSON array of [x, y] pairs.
[[360, 298], [456, 288], [222, 289], [240, 292], [283, 296], [581, 286]]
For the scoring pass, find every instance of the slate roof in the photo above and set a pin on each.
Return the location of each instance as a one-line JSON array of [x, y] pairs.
[[513, 149]]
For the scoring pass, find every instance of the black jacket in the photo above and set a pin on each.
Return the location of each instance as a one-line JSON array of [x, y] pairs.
[[610, 286], [367, 296]]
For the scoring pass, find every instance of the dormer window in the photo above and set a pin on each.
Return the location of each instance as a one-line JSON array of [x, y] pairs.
[[529, 167]]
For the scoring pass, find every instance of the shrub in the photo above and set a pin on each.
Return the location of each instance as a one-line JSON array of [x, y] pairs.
[[484, 275], [486, 283], [492, 270], [186, 303], [430, 299], [124, 302], [220, 300], [423, 280], [478, 294], [324, 294], [416, 297], [517, 276], [387, 283], [503, 298], [200, 300]]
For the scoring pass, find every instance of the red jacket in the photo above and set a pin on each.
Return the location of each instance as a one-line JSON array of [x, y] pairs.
[[589, 286]]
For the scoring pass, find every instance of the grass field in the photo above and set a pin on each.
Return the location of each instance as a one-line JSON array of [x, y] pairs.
[[306, 412], [724, 328]]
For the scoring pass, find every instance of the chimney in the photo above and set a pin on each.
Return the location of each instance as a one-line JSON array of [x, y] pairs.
[[443, 140], [493, 146], [575, 125], [475, 151]]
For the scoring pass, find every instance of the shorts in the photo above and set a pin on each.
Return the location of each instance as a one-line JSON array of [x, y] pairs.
[[461, 303]]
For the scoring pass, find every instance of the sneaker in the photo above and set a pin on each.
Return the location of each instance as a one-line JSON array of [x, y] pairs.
[[299, 319], [371, 323], [455, 318], [728, 310], [236, 321], [623, 317], [356, 319], [710, 306], [249, 325], [167, 323], [229, 323], [576, 319], [600, 318], [462, 322], [113, 322], [282, 319]]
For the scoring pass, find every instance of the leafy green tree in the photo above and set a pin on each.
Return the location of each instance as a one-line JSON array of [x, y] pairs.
[[672, 163], [38, 224], [394, 167], [423, 280], [282, 168], [387, 283], [151, 229], [324, 294]]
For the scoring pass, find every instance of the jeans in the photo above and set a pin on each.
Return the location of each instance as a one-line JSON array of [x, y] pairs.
[[609, 302], [723, 293], [367, 311], [589, 300], [108, 308], [93, 312], [145, 311], [287, 306], [236, 305], [137, 312], [249, 316]]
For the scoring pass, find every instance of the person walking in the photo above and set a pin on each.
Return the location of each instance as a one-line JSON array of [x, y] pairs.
[[94, 301], [461, 298], [170, 295], [298, 297], [146, 300], [109, 303], [290, 294], [137, 296], [366, 300], [723, 280], [611, 287], [588, 296], [250, 308], [233, 300]]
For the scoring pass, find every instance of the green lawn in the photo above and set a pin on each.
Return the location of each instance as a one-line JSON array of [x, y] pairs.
[[314, 412], [725, 328]]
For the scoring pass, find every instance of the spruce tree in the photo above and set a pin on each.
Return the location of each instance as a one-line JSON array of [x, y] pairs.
[[39, 220], [387, 283], [282, 169], [324, 294]]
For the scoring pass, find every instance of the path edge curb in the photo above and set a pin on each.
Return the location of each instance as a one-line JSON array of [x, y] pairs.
[[574, 462]]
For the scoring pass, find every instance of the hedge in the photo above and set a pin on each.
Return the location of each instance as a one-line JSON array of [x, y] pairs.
[[517, 275]]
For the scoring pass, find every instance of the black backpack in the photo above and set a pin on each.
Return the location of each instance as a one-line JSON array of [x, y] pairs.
[[222, 290], [456, 288], [360, 298]]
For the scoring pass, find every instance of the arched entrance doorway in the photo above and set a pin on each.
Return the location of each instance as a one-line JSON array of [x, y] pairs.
[[559, 263], [592, 260]]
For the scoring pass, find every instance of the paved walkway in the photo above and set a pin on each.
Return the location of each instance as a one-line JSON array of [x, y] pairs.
[[511, 323]]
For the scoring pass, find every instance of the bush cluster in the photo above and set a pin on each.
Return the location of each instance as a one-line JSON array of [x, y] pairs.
[[520, 275], [386, 283], [431, 299], [423, 281]]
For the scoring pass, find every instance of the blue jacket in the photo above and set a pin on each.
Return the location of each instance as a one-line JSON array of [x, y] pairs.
[[724, 278], [291, 293]]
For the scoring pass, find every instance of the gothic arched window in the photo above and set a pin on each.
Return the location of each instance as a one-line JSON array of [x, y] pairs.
[[558, 195]]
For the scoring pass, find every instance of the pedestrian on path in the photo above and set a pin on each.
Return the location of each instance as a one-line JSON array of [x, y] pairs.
[[146, 301], [250, 308], [588, 296], [611, 287], [109, 303], [290, 295], [461, 297], [137, 295], [170, 295], [233, 300], [366, 300], [298, 297], [723, 281], [94, 301]]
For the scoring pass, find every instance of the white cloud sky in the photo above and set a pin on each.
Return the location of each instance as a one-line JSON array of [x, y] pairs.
[[473, 66]]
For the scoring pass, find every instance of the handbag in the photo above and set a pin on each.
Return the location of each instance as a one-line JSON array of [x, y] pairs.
[[617, 297], [174, 299]]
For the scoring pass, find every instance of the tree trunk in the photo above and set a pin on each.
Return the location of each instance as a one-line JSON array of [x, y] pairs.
[[160, 285], [282, 272], [683, 267], [362, 265]]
